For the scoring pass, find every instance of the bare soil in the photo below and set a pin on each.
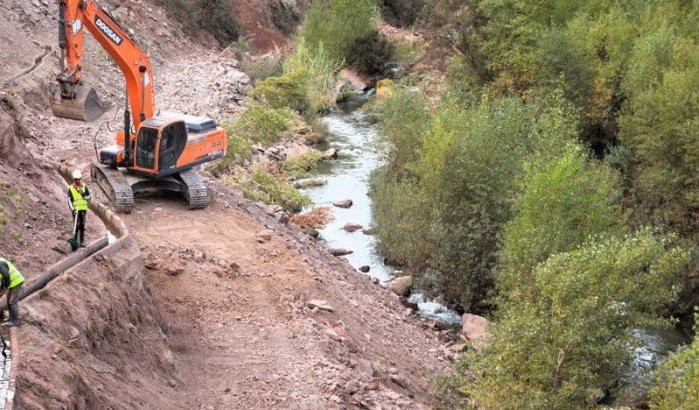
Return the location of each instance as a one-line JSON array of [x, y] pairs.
[[35, 220], [234, 308]]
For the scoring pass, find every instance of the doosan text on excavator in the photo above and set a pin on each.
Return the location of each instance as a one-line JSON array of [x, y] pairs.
[[151, 151]]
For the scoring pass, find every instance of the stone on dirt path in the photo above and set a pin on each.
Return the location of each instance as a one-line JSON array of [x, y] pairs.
[[320, 305], [264, 235]]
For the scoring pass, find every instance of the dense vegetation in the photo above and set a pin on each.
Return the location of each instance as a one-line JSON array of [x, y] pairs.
[[631, 67], [295, 91], [554, 186]]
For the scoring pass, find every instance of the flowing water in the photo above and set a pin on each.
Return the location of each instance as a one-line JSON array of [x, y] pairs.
[[636, 379], [353, 132], [5, 365]]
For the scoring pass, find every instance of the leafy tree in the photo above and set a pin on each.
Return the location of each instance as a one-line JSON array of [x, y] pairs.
[[455, 180], [660, 125], [561, 204], [404, 121], [399, 206], [369, 53], [563, 344]]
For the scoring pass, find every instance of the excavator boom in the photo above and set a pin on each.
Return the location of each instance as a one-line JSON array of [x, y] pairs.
[[75, 100]]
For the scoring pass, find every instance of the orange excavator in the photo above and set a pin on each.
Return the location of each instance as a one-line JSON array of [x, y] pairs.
[[151, 151]]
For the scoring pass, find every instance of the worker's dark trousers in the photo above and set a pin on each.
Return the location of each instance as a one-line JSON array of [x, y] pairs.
[[13, 302], [80, 229]]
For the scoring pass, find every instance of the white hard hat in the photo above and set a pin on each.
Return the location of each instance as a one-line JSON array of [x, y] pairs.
[[77, 174]]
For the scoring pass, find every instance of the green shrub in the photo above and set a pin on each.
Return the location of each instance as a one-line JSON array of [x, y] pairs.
[[262, 67], [264, 186], [238, 154], [402, 212], [289, 90], [302, 165], [332, 26], [457, 176], [306, 85], [369, 53], [262, 124], [660, 126], [563, 344], [404, 121], [630, 67]]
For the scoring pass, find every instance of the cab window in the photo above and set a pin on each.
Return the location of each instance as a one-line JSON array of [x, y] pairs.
[[145, 149]]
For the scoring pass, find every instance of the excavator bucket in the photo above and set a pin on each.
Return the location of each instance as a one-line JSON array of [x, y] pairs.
[[84, 106]]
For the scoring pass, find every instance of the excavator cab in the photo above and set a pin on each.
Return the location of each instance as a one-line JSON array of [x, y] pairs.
[[159, 145]]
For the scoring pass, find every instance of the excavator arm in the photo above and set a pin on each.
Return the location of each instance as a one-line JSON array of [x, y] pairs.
[[75, 100]]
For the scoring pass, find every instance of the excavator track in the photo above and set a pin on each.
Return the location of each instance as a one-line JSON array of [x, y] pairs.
[[115, 185], [194, 189]]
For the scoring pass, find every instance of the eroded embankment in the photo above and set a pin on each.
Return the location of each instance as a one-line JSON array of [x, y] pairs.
[[94, 338]]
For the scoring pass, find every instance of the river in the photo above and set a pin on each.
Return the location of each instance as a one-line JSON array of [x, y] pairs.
[[353, 132]]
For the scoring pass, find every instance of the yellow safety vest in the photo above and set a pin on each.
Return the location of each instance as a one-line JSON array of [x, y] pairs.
[[79, 203], [16, 278]]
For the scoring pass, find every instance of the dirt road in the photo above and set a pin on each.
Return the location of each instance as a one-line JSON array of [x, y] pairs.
[[235, 289]]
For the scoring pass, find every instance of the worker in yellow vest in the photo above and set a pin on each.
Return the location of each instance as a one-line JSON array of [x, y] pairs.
[[78, 197], [11, 282]]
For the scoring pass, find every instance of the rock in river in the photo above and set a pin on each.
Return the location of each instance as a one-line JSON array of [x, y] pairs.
[[330, 153], [352, 226], [401, 285], [339, 251], [345, 203], [370, 230]]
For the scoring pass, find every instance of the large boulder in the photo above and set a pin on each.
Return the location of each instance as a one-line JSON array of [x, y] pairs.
[[401, 285], [475, 329]]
